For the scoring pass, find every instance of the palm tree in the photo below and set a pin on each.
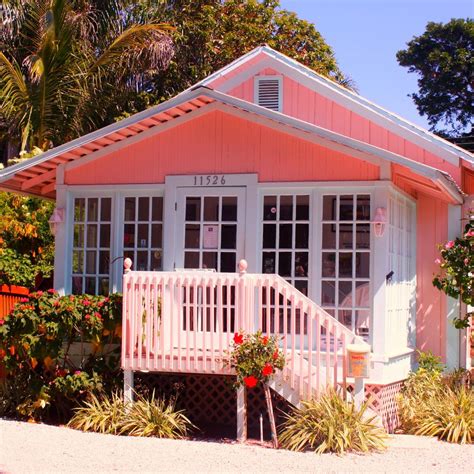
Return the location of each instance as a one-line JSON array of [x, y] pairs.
[[63, 63]]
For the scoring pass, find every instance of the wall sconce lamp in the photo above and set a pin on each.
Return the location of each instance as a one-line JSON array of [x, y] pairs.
[[56, 219], [380, 221]]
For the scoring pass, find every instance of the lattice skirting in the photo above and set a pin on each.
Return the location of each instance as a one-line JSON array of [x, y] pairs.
[[210, 401]]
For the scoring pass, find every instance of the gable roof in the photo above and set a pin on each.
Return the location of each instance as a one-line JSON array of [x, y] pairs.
[[338, 93], [38, 175]]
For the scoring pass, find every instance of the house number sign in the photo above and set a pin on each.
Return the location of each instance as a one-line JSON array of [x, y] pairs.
[[210, 180]]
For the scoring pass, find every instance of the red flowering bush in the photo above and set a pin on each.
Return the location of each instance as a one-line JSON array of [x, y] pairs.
[[255, 358], [57, 349], [456, 277]]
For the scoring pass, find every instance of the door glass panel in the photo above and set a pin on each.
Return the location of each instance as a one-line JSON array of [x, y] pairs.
[[269, 208], [229, 208], [193, 208], [286, 208], [229, 236], [191, 259], [92, 209], [143, 209], [105, 209], [130, 209], [211, 208], [228, 263], [209, 260], [191, 236]]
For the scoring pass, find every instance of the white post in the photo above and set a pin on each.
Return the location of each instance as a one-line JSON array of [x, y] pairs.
[[359, 391], [241, 414], [128, 385]]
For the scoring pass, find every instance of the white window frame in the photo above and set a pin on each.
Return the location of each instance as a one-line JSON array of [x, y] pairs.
[[257, 80]]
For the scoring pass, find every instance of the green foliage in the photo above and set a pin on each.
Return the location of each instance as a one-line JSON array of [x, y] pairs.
[[429, 362], [456, 277], [64, 63], [58, 348], [331, 424], [433, 404], [149, 418], [26, 244], [443, 59], [255, 358]]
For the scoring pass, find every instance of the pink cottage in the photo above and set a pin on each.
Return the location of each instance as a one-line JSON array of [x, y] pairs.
[[332, 205]]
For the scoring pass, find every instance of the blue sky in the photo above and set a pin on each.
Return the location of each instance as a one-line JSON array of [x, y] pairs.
[[366, 34]]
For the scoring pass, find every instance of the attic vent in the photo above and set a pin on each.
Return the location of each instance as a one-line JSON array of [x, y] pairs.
[[268, 92]]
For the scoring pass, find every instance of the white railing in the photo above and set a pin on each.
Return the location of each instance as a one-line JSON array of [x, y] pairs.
[[184, 321]]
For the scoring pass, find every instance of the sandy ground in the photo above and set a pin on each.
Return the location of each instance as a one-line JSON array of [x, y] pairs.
[[28, 447]]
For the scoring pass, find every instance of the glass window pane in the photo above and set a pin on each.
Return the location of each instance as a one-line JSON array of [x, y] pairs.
[[228, 236], [302, 236], [130, 209], [193, 208], [77, 261], [362, 323], [144, 209], [209, 260], [157, 235], [157, 208], [91, 235], [345, 236], [104, 262], [106, 209], [329, 236], [345, 317], [92, 209], [328, 293], [345, 265], [269, 208], [105, 235], [77, 285], [301, 264], [91, 262], [345, 294], [362, 294], [363, 236], [286, 236], [363, 208], [129, 235], [286, 208], [229, 208], [90, 286], [329, 208], [284, 264], [142, 237], [329, 264], [79, 209], [103, 286], [363, 265], [211, 208], [268, 262], [302, 208], [269, 236], [142, 261], [191, 260], [155, 264], [346, 208], [78, 235], [228, 262], [191, 236], [302, 285]]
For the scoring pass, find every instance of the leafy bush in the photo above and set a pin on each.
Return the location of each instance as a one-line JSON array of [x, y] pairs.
[[149, 418], [255, 357], [430, 362], [58, 348], [331, 424], [435, 404]]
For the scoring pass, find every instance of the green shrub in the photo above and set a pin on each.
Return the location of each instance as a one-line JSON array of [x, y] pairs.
[[428, 361], [155, 417], [37, 340], [331, 424]]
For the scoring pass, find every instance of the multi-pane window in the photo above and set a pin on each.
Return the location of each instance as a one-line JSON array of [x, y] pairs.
[[210, 238], [285, 244], [143, 232], [91, 245], [345, 260]]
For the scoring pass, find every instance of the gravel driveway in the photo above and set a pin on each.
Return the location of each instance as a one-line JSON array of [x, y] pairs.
[[26, 447]]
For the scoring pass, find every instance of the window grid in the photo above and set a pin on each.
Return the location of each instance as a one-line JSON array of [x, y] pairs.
[[91, 245], [345, 262], [143, 232], [286, 237]]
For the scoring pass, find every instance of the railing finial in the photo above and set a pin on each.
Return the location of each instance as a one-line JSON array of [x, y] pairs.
[[243, 266], [127, 265]]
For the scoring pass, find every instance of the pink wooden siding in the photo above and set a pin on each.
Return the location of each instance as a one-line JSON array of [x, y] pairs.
[[432, 229], [304, 104], [221, 143]]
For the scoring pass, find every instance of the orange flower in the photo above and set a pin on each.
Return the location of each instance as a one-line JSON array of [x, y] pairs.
[[267, 370], [238, 338], [250, 381]]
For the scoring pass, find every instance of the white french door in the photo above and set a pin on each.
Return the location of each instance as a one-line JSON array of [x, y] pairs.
[[210, 228]]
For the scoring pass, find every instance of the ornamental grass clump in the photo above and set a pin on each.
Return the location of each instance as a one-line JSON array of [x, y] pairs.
[[154, 417], [331, 425]]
